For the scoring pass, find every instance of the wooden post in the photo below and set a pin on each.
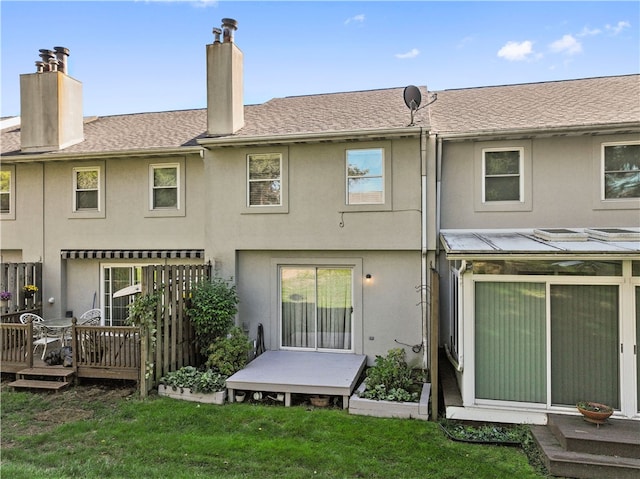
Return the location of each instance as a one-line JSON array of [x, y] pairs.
[[433, 347]]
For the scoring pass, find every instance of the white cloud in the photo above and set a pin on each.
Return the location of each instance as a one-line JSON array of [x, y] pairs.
[[356, 19], [464, 42], [516, 51], [567, 44], [587, 32], [414, 52], [617, 28]]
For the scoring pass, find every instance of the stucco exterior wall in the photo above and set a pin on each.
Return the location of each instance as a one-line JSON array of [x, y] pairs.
[[563, 180], [386, 308]]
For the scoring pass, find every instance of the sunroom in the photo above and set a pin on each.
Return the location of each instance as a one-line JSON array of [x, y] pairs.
[[542, 319]]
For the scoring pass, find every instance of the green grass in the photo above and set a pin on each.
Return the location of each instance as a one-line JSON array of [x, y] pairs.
[[166, 438]]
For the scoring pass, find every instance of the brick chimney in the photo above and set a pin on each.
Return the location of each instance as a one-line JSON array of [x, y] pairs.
[[50, 105], [225, 108]]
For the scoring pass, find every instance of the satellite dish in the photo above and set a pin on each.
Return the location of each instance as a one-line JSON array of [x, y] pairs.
[[412, 97]]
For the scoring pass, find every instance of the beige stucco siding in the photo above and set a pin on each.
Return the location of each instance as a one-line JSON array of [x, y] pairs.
[[385, 309], [562, 180]]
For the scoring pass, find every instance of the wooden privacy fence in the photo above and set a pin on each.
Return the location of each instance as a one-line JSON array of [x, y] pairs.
[[172, 344], [15, 276]]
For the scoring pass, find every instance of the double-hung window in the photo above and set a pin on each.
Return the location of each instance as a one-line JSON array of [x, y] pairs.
[[502, 175], [365, 177], [621, 171], [165, 181], [86, 189], [264, 179]]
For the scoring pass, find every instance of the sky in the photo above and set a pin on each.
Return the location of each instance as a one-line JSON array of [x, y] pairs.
[[144, 56]]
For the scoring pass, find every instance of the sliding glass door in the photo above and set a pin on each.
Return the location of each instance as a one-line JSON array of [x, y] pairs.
[[116, 310], [584, 344], [316, 307]]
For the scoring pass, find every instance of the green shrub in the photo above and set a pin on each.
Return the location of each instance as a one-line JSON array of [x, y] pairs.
[[188, 377], [229, 354], [212, 309], [390, 378]]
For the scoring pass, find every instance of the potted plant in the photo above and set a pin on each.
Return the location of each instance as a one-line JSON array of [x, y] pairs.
[[29, 290], [190, 384], [594, 412]]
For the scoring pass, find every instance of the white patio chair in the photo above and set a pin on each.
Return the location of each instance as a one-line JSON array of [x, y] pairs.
[[90, 318], [42, 336]]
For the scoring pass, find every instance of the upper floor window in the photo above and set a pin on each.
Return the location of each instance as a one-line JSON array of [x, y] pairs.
[[365, 176], [264, 179], [502, 173], [5, 191], [165, 179], [86, 187], [621, 170]]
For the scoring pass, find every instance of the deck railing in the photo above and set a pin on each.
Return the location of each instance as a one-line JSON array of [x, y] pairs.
[[111, 352], [16, 341]]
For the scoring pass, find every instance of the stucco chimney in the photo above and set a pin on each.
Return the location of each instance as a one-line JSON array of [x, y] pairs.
[[225, 108], [50, 105]]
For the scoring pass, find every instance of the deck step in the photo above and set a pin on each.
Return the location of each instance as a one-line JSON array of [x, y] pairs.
[[582, 465], [59, 373], [36, 384], [616, 437]]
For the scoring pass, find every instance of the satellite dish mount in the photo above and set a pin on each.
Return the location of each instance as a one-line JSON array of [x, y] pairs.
[[413, 98]]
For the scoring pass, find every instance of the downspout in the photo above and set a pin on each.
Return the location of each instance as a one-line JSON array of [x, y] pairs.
[[438, 191], [424, 296]]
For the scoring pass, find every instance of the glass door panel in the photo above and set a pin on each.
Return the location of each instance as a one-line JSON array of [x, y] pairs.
[[510, 341], [584, 344], [316, 307], [116, 310]]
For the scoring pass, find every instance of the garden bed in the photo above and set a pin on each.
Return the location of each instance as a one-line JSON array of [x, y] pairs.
[[185, 394], [371, 407]]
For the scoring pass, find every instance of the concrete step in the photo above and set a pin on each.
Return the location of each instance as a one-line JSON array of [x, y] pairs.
[[616, 437], [581, 465], [36, 384], [52, 372]]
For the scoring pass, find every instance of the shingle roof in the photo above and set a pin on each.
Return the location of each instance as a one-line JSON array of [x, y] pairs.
[[549, 105]]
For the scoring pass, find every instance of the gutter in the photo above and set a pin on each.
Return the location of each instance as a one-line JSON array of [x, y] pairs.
[[124, 154], [319, 137], [541, 132]]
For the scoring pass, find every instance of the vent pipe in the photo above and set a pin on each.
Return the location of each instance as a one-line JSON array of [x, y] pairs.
[[62, 54], [229, 25]]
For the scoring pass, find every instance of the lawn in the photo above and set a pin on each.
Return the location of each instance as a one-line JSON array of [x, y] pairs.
[[107, 435]]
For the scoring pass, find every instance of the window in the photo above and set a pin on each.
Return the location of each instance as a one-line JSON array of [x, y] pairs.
[[86, 187], [264, 179], [621, 171], [502, 175], [365, 177], [164, 186], [5, 191]]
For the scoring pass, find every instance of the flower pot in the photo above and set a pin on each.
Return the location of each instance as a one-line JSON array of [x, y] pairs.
[[319, 401], [186, 395], [28, 294], [595, 412], [240, 396]]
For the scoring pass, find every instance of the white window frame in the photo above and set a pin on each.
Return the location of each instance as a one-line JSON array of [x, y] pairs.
[[81, 169], [250, 181], [485, 176], [152, 186], [11, 214], [603, 170], [525, 201], [597, 149], [382, 176], [98, 212], [283, 207]]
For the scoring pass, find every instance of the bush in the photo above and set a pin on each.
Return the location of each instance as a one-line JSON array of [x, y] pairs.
[[390, 378], [229, 354], [212, 309]]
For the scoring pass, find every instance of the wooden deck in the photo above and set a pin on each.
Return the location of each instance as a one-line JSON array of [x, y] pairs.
[[300, 372]]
